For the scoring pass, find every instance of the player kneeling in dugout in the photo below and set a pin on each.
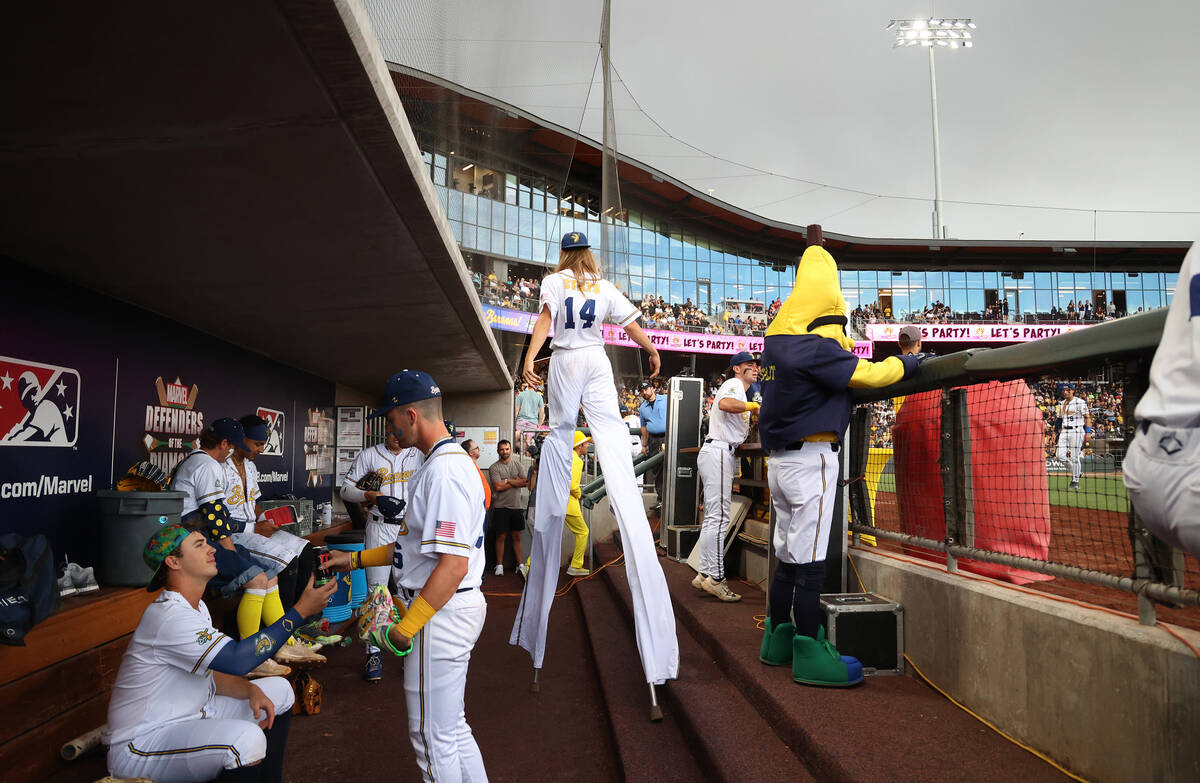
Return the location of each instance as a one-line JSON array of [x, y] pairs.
[[180, 709], [808, 369]]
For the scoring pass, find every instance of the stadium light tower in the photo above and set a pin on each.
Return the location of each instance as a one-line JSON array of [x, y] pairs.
[[932, 33]]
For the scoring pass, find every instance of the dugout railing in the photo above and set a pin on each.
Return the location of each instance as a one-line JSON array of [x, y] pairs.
[[965, 463]]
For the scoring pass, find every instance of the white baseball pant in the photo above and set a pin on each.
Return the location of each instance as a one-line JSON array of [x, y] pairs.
[[717, 466], [1070, 450], [197, 750], [803, 489], [378, 533], [435, 679], [584, 376], [1162, 474]]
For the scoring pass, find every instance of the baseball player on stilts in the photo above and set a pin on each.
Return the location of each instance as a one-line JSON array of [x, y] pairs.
[[808, 369], [1162, 467], [728, 425], [576, 301], [437, 561], [1076, 426], [393, 467]]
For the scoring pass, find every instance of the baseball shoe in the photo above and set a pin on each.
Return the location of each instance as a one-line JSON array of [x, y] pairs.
[[499, 570], [523, 571], [373, 669], [317, 642], [66, 586], [698, 581], [573, 571], [298, 654], [269, 668], [720, 589], [84, 579], [1073, 485]]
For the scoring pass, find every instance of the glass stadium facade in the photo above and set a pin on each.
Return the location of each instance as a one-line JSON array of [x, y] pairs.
[[518, 216]]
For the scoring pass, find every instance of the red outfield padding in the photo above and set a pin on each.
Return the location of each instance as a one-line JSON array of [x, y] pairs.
[[1008, 467]]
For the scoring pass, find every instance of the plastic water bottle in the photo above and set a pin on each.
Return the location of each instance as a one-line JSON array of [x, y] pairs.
[[327, 511]]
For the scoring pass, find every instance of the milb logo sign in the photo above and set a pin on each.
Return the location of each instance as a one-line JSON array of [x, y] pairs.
[[39, 404]]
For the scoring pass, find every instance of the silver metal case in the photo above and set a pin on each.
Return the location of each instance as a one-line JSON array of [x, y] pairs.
[[868, 627]]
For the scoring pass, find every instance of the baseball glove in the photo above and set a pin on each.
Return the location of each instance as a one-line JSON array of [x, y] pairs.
[[379, 613], [143, 477], [372, 482]]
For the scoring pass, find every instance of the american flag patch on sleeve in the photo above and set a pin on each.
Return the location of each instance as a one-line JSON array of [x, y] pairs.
[[444, 530]]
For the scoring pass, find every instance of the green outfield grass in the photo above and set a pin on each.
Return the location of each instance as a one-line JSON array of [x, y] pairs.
[[1101, 492]]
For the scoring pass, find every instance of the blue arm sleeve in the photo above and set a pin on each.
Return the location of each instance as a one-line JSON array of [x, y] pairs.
[[240, 658]]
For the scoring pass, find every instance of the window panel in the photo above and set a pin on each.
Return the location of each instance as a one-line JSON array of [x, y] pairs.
[[454, 209], [497, 216], [525, 248], [497, 241], [469, 238]]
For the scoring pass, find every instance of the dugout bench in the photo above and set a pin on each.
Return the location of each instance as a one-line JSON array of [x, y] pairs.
[[57, 686]]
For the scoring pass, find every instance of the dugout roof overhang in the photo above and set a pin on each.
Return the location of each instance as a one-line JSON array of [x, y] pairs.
[[522, 137], [245, 169]]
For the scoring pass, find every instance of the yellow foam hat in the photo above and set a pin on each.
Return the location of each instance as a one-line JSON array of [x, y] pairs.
[[817, 294]]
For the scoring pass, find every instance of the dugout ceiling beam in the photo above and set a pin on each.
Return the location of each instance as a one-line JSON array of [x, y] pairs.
[[244, 168]]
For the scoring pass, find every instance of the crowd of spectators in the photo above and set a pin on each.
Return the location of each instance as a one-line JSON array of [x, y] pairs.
[[998, 312], [657, 313]]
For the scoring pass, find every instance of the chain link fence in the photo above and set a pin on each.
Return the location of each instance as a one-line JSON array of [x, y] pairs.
[[1007, 463]]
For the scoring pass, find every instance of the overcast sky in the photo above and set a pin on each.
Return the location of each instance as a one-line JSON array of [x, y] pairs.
[[802, 112]]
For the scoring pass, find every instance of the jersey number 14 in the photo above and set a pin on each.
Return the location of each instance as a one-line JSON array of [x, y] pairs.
[[587, 313]]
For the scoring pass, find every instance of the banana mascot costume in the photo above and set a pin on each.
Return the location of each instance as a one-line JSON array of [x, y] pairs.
[[808, 367]]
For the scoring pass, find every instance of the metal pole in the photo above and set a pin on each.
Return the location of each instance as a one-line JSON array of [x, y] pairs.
[[939, 228]]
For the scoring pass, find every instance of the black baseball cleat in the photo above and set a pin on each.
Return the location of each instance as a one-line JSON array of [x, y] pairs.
[[1073, 485]]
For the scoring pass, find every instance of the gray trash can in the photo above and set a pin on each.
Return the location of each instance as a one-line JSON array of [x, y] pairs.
[[127, 520]]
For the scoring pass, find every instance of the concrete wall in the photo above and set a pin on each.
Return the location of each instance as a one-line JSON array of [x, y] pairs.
[[491, 409], [1107, 698]]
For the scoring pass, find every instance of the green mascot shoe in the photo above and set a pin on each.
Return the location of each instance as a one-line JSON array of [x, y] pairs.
[[817, 662], [776, 647]]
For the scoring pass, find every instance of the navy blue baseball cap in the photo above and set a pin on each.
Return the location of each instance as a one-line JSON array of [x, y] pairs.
[[574, 240], [741, 357], [405, 387], [450, 428], [230, 430], [255, 427]]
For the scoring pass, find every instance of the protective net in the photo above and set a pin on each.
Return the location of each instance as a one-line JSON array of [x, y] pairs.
[[1029, 467]]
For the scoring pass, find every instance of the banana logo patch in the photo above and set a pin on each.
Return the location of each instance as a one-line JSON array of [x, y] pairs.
[[204, 637], [263, 645]]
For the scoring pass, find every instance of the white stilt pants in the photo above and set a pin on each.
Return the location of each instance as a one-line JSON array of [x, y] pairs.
[[584, 376]]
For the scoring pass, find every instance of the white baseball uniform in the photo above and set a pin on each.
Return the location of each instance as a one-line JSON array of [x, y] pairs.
[[581, 374], [201, 478], [445, 517], [394, 471], [803, 486], [1162, 467], [1070, 439], [717, 467], [165, 719], [276, 551]]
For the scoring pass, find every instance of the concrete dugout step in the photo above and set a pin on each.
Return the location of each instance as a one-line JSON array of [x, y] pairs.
[[727, 735], [647, 750], [889, 728]]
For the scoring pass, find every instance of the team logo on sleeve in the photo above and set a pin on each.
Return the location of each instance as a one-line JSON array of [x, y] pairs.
[[263, 644], [1170, 444], [39, 404], [204, 637]]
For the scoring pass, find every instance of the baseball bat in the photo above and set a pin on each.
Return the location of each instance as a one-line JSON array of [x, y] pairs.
[[82, 745]]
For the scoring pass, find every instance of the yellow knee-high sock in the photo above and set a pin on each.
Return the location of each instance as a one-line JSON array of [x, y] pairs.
[[249, 612], [272, 608]]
